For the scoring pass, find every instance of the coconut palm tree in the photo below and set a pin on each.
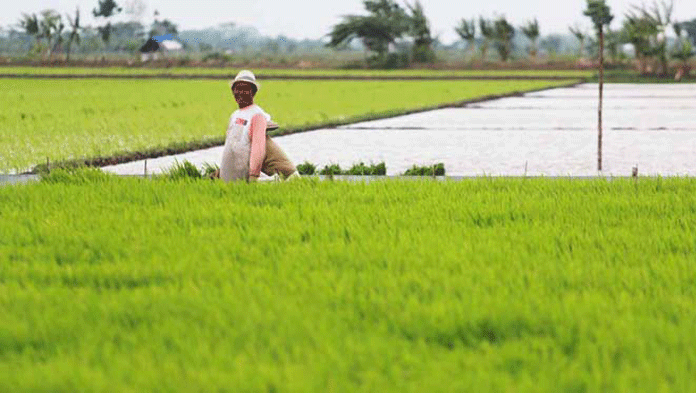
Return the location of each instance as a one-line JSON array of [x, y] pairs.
[[531, 31], [504, 32], [658, 17], [386, 22], [74, 32], [420, 31], [106, 9], [639, 31], [50, 27], [30, 24], [683, 51], [580, 35], [467, 31], [488, 33]]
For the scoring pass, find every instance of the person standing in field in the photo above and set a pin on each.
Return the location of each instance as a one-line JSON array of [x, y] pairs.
[[248, 150]]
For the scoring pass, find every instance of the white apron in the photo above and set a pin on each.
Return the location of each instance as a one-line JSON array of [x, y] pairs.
[[237, 150]]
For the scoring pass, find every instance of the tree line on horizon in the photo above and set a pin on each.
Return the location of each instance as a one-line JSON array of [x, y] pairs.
[[392, 35], [387, 23]]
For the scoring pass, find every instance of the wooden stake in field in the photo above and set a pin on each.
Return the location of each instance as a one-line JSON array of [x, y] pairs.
[[601, 15]]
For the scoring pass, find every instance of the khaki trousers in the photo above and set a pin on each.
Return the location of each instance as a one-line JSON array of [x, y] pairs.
[[276, 160]]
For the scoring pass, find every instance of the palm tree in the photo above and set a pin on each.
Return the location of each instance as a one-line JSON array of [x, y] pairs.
[[531, 31], [386, 23], [639, 31], [420, 31], [74, 33], [682, 51], [658, 18], [601, 16], [30, 24], [467, 31], [689, 28], [488, 33], [50, 26], [580, 35], [504, 32]]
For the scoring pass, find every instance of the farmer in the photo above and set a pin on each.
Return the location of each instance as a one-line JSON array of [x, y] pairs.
[[248, 150]]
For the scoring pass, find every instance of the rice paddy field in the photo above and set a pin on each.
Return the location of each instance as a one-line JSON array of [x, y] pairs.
[[539, 285], [61, 119], [229, 72]]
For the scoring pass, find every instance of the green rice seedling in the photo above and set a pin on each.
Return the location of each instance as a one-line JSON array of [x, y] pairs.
[[371, 170], [76, 175], [331, 170], [209, 169], [358, 169], [483, 285], [306, 168], [183, 170], [94, 120], [379, 169], [431, 170]]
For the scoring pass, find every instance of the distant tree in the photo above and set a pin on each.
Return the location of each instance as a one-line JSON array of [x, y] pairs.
[[135, 9], [657, 18], [612, 41], [50, 28], [580, 35], [551, 43], [204, 47], [420, 31], [386, 22], [488, 34], [106, 9], [30, 25], [682, 50], [74, 32], [467, 31], [640, 32], [163, 27], [689, 27], [504, 32], [531, 31], [601, 16]]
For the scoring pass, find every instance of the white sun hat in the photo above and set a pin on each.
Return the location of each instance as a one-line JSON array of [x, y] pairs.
[[245, 76]]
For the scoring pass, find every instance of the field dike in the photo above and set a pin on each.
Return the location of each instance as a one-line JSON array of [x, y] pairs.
[[262, 76], [183, 147]]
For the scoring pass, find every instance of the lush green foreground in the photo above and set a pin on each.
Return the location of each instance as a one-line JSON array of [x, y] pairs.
[[231, 72], [482, 285], [73, 119]]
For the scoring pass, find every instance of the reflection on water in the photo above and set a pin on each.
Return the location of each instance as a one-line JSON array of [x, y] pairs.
[[549, 133]]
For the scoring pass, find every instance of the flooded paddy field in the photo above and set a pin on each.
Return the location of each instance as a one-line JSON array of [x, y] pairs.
[[550, 133]]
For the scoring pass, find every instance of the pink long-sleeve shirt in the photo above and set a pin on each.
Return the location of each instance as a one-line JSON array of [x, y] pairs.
[[257, 133]]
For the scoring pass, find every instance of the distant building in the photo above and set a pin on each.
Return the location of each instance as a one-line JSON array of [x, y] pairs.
[[159, 44]]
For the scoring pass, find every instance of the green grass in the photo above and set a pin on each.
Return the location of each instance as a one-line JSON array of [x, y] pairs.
[[539, 285], [288, 72], [77, 119]]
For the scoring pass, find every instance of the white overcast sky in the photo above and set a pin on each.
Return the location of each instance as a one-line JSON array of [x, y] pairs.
[[313, 19]]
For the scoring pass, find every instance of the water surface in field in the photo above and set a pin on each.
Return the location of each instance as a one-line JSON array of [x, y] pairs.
[[552, 133]]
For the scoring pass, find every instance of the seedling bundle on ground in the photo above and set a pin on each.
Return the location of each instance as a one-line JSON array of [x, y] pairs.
[[361, 168]]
